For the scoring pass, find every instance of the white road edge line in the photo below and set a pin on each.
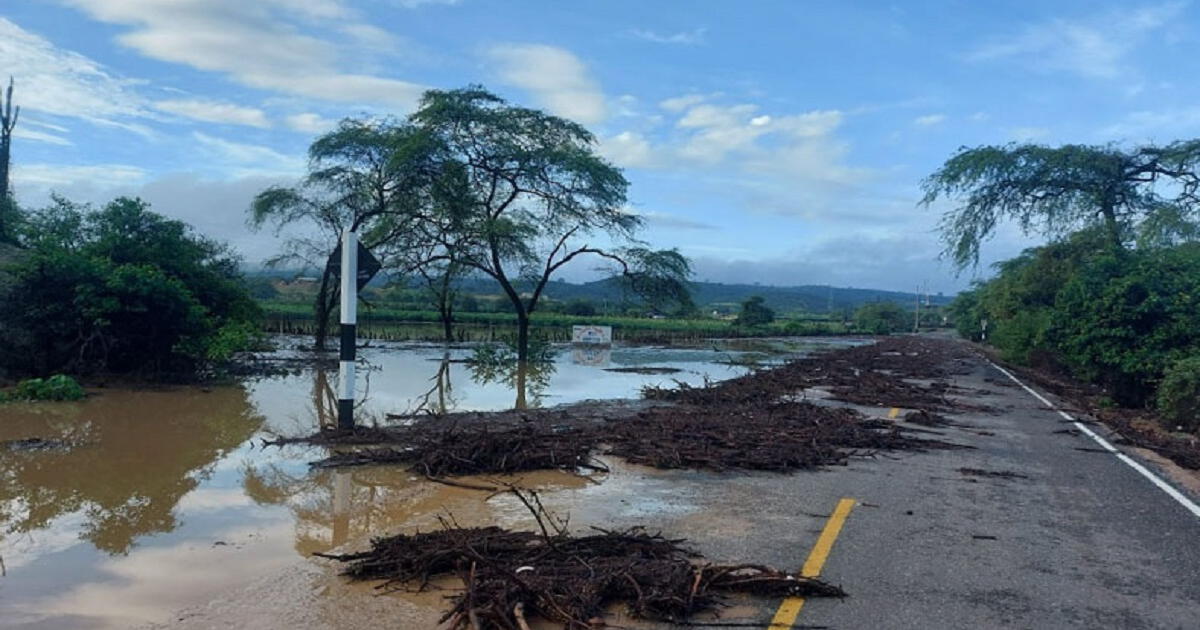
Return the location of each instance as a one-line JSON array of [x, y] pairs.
[[1145, 472]]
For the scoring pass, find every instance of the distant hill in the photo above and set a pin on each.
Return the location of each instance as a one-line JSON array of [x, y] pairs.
[[708, 295], [808, 298]]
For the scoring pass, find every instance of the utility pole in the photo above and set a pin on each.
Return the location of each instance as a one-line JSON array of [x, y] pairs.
[[349, 319], [917, 312]]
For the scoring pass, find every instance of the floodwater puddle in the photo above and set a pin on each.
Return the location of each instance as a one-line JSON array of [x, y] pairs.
[[121, 509]]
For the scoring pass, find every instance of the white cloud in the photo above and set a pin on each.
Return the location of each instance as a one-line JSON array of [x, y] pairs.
[[627, 149], [371, 37], [692, 37], [40, 136], [720, 131], [1146, 125], [44, 177], [675, 221], [258, 44], [310, 123], [558, 79], [63, 83], [787, 164], [1094, 48], [929, 120], [680, 103], [241, 160], [213, 111]]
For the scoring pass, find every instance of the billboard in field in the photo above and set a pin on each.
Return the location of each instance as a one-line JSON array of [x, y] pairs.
[[591, 334]]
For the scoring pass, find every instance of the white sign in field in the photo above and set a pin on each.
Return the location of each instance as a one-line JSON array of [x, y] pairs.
[[591, 334]]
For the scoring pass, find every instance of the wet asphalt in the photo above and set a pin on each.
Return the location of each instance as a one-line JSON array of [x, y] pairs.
[[1083, 541]]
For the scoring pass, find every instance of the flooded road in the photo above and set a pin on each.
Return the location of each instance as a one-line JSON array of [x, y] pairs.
[[146, 502]]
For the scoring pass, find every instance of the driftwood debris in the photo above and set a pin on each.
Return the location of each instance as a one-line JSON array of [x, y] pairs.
[[508, 575]]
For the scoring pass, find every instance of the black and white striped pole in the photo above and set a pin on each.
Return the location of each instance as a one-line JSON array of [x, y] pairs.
[[349, 321]]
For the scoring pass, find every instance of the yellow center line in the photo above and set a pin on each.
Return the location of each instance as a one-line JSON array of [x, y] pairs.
[[785, 617], [895, 411]]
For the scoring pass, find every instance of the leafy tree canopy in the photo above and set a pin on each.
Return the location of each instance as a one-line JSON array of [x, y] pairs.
[[882, 318], [1148, 194], [755, 313], [120, 289], [521, 193]]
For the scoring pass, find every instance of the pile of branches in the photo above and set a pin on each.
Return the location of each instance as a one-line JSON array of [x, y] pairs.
[[756, 422], [439, 452], [509, 576], [875, 374], [781, 436]]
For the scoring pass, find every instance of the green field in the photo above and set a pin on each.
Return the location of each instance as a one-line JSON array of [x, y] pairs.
[[418, 325]]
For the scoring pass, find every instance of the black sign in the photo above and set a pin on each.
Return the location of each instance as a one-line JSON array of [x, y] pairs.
[[368, 265]]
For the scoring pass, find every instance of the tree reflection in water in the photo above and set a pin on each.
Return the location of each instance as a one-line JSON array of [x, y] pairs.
[[529, 379], [439, 399], [129, 459], [332, 507]]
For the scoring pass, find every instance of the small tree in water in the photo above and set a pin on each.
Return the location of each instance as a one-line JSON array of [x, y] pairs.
[[529, 194]]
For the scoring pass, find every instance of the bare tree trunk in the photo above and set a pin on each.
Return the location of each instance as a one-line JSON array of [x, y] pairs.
[[1112, 227], [446, 306], [447, 313], [322, 309]]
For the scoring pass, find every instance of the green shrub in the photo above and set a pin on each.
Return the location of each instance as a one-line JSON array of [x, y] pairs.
[[121, 290], [755, 313], [1179, 394], [881, 318], [57, 387]]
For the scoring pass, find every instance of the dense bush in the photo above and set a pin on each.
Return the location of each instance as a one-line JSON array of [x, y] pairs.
[[57, 387], [1179, 394], [121, 290], [881, 318], [1114, 319], [579, 307], [755, 313]]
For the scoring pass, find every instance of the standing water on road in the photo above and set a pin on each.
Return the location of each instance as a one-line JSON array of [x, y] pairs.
[[120, 509]]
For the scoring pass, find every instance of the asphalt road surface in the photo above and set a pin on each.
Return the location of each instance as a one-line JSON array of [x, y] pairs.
[[1081, 540]]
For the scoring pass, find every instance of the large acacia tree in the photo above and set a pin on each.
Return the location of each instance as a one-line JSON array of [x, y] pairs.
[[528, 195], [1147, 194], [365, 176]]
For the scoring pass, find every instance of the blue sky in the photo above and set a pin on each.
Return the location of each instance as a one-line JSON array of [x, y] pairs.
[[773, 142]]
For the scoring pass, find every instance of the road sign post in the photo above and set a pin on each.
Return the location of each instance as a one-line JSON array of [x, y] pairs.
[[349, 319], [356, 266]]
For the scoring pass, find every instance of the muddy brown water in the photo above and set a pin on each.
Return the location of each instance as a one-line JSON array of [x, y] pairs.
[[148, 502]]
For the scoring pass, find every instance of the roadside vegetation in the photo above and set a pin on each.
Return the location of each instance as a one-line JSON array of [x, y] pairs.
[[120, 290], [1112, 298], [58, 387]]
